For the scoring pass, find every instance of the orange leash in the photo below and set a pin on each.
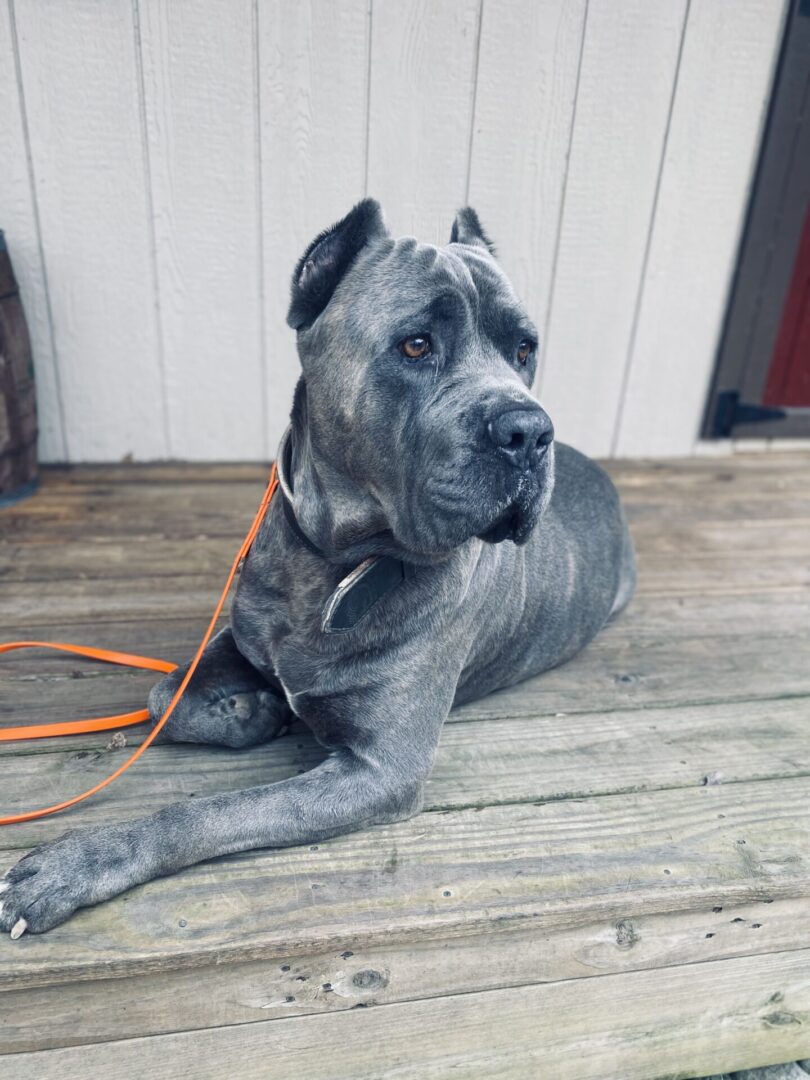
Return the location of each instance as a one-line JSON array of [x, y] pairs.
[[77, 727], [105, 723]]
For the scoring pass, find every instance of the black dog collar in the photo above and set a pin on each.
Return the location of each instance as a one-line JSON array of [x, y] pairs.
[[360, 590]]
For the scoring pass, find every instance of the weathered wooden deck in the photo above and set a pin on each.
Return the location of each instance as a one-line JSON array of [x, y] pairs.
[[611, 878]]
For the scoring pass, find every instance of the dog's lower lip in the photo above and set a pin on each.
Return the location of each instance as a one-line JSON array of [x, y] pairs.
[[505, 528]]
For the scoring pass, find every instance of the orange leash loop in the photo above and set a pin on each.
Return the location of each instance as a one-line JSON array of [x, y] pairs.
[[78, 727], [135, 661]]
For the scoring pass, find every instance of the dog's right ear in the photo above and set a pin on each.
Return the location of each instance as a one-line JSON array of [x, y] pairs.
[[467, 229], [328, 258]]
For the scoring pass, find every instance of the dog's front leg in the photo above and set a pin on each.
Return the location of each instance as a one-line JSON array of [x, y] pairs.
[[375, 777]]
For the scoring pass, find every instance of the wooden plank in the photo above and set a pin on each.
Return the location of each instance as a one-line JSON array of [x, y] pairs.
[[183, 516], [68, 477], [650, 620], [718, 1016], [628, 68], [700, 555], [717, 115], [612, 682], [423, 73], [539, 865], [656, 675], [645, 676], [81, 84], [639, 471], [19, 221], [697, 490], [199, 102], [524, 106], [665, 652], [313, 94], [119, 558], [342, 979], [479, 763], [84, 600], [698, 559]]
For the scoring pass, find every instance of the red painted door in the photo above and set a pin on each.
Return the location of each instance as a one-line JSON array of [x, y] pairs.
[[788, 381]]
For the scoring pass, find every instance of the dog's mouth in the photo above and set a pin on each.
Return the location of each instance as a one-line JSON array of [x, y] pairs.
[[522, 512], [515, 524], [505, 528]]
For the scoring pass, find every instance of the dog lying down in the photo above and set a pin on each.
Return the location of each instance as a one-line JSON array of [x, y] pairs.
[[430, 544]]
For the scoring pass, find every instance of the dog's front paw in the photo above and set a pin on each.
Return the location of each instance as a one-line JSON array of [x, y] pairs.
[[51, 882]]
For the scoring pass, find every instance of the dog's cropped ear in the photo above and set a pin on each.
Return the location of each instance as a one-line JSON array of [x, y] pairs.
[[467, 229], [328, 258]]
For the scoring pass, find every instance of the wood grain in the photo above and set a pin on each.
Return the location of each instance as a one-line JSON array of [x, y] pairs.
[[632, 665], [489, 762], [739, 1013], [358, 976], [622, 842], [545, 865]]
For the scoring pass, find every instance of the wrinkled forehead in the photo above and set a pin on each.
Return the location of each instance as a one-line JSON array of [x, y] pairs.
[[399, 278]]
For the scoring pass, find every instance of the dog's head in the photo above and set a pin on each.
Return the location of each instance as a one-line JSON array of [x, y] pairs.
[[417, 362]]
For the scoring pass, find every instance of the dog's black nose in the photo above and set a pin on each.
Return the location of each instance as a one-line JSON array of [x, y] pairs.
[[522, 435]]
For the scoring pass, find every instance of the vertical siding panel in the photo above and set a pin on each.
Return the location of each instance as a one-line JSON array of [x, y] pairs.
[[625, 88], [527, 77], [198, 95], [422, 88], [18, 218], [80, 83], [313, 64], [720, 104]]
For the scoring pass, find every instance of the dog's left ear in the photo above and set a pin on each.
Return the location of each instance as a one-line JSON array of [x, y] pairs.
[[328, 258], [467, 229]]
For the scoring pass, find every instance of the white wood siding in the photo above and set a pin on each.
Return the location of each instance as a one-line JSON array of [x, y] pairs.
[[164, 162]]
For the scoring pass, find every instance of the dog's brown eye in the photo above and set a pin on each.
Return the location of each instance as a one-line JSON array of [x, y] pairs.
[[417, 347], [525, 349]]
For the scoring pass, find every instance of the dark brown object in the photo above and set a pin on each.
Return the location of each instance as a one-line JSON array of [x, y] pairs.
[[18, 413]]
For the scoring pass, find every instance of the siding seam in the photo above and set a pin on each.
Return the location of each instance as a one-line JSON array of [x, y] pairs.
[[558, 237], [474, 106], [151, 230], [366, 163], [631, 341], [259, 181]]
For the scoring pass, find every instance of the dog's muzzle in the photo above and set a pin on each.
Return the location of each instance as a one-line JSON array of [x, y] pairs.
[[519, 439]]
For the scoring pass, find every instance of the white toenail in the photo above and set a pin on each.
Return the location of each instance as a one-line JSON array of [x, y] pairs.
[[19, 928]]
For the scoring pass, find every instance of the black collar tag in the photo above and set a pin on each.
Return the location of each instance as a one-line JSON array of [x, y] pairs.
[[354, 597]]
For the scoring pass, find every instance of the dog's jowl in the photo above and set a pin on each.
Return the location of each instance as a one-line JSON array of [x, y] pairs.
[[430, 543]]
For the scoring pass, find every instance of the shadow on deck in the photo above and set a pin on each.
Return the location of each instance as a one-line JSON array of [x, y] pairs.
[[611, 877]]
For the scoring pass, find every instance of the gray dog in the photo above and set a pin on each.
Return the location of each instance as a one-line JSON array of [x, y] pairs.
[[429, 544]]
